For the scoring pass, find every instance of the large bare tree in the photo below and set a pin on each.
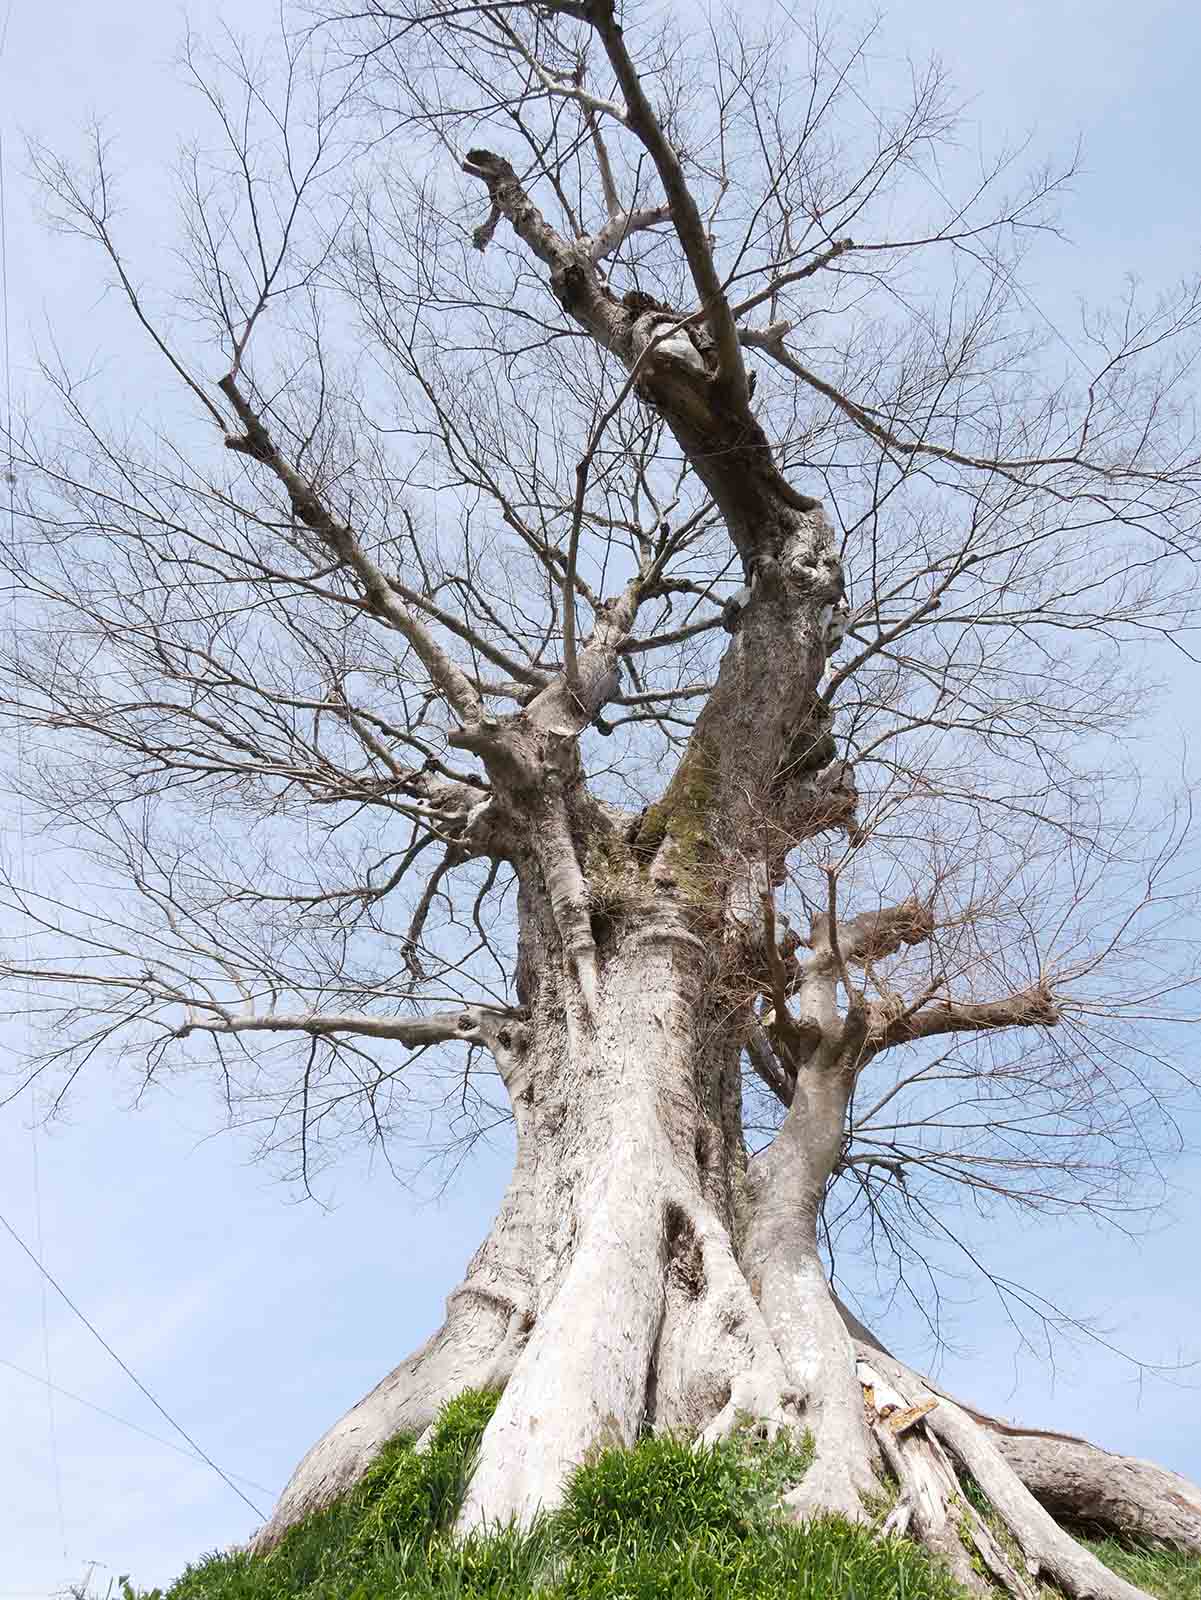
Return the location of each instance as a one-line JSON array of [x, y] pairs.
[[641, 651]]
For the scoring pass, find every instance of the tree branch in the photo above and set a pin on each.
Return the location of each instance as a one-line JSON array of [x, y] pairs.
[[1028, 1008], [453, 684], [470, 1022], [690, 228]]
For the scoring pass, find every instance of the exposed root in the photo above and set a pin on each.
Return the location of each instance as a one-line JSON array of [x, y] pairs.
[[488, 1318], [721, 1344], [757, 1402], [819, 1360], [580, 1382], [470, 1351], [1079, 1482], [931, 1500], [761, 1404], [715, 1353], [779, 1372], [762, 1398], [1047, 1550], [834, 1485]]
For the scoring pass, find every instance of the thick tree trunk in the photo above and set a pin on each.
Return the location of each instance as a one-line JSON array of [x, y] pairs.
[[640, 1275], [638, 1270], [787, 1185], [611, 1295], [637, 1277]]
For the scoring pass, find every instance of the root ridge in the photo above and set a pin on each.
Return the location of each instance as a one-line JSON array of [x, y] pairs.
[[922, 1460]]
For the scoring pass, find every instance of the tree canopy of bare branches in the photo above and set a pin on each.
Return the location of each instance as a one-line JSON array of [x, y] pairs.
[[638, 641]]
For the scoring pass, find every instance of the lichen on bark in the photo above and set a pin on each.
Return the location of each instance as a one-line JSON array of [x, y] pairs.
[[675, 838]]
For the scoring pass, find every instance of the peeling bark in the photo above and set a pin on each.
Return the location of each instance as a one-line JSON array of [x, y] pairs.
[[931, 1501], [1078, 1482]]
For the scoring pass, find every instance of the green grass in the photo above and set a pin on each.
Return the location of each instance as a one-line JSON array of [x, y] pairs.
[[663, 1521], [1166, 1573]]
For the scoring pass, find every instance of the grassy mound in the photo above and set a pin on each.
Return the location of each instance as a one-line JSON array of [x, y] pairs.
[[664, 1521]]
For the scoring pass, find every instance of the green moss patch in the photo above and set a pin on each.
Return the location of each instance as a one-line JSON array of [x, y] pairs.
[[683, 813]]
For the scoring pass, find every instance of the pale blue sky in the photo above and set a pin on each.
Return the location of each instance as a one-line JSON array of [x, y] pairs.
[[257, 1319]]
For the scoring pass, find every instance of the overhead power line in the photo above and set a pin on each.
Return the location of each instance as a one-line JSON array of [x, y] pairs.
[[45, 1315], [168, 1444], [35, 1257], [126, 1369]]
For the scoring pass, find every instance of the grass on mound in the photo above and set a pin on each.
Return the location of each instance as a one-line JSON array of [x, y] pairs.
[[1160, 1572], [1168, 1574], [663, 1521]]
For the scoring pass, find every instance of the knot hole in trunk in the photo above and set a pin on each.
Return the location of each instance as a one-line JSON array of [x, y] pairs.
[[700, 1149], [685, 1258]]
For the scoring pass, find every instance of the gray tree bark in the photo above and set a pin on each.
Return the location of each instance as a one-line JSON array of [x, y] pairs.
[[1079, 1483]]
